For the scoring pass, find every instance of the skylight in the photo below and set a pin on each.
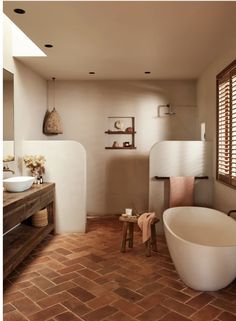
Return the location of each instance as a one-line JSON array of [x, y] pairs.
[[23, 46]]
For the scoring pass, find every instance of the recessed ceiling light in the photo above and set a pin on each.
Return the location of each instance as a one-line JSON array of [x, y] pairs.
[[147, 72], [48, 45], [19, 11], [92, 72]]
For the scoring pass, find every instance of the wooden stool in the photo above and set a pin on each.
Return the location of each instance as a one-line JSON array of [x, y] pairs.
[[128, 234]]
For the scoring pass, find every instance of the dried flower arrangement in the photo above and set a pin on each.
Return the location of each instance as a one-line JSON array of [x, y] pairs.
[[35, 163]]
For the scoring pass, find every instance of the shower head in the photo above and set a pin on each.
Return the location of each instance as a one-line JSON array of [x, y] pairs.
[[170, 112]]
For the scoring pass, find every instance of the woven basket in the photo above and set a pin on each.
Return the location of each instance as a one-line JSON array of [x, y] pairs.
[[40, 218]]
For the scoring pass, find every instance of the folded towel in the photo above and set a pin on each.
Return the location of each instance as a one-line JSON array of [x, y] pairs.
[[144, 222], [181, 191]]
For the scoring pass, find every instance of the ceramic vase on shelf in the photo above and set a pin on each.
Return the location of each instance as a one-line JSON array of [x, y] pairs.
[[36, 175]]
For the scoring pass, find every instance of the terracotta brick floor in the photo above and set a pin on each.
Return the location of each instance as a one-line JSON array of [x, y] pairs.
[[85, 277]]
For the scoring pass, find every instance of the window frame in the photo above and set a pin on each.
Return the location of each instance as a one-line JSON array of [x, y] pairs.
[[226, 75]]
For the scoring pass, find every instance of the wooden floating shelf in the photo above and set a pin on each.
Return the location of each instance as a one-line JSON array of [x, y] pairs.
[[120, 147], [19, 242], [117, 117], [111, 132], [127, 128]]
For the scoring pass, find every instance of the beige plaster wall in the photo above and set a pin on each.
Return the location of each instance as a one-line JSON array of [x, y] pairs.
[[224, 197], [30, 98], [8, 110], [179, 158], [8, 62], [70, 196], [117, 179]]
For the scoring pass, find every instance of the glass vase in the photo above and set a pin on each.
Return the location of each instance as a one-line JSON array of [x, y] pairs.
[[36, 176]]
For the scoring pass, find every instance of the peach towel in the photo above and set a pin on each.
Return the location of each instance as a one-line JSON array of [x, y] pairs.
[[181, 191], [144, 222]]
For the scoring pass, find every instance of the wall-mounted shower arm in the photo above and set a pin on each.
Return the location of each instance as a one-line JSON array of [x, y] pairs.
[[167, 177]]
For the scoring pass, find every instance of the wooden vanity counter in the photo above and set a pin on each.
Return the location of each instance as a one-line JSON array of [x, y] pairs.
[[17, 210]]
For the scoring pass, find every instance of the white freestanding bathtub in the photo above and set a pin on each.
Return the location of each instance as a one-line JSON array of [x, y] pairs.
[[202, 245]]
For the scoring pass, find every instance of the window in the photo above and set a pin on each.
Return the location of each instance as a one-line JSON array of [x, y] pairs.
[[226, 125]]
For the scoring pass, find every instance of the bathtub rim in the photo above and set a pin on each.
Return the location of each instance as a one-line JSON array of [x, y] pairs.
[[194, 243]]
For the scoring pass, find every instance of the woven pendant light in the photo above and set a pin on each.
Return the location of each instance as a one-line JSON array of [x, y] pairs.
[[52, 120]]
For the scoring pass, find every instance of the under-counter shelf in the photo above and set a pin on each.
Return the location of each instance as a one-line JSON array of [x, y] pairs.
[[19, 242], [20, 239]]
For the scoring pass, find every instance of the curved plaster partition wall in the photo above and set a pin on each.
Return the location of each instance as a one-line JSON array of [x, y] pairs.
[[179, 158], [66, 167]]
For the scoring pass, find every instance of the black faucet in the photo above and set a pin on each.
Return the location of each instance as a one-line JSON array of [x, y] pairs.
[[7, 169]]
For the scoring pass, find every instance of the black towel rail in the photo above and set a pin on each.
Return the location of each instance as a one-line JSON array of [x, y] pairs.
[[166, 177]]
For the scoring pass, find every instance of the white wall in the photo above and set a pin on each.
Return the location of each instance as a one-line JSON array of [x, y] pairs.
[[179, 158], [8, 110], [119, 179], [30, 103], [30, 97], [66, 167], [224, 197], [8, 62]]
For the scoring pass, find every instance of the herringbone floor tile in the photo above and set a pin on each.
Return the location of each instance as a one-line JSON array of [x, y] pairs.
[[84, 277]]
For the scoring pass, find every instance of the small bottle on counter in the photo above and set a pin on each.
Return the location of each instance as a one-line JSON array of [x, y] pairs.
[[41, 179]]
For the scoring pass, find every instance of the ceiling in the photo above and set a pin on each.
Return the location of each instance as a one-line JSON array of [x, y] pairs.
[[122, 40]]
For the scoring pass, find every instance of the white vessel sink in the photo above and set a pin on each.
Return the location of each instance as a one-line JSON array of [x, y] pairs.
[[18, 183]]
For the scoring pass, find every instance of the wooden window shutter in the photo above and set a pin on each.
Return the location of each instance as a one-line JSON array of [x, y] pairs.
[[226, 125], [233, 146]]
